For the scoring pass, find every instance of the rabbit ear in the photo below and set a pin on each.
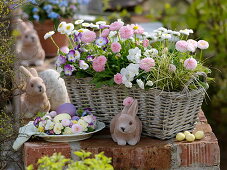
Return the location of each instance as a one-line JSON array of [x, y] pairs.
[[133, 109], [25, 72], [34, 72]]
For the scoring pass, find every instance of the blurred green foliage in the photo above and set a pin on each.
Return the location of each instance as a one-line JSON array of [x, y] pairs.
[[58, 161]]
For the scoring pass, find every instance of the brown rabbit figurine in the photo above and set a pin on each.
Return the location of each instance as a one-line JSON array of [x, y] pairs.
[[126, 127], [29, 49], [34, 99]]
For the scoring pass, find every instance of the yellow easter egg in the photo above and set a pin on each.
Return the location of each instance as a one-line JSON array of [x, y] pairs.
[[180, 137], [190, 137], [199, 134], [186, 133]]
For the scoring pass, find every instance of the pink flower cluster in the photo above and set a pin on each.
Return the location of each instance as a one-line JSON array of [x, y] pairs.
[[116, 47], [191, 45], [147, 63], [99, 63], [88, 36]]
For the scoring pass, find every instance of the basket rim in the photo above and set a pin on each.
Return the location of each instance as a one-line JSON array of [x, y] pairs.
[[158, 91]]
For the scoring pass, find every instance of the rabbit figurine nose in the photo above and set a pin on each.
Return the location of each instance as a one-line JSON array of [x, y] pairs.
[[123, 129], [40, 88]]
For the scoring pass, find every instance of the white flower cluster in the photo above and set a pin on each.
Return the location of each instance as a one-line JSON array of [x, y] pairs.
[[129, 73]]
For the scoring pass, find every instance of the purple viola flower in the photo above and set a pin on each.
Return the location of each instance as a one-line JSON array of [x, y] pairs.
[[36, 121], [61, 60], [75, 118], [77, 47], [103, 26], [50, 132], [68, 69], [77, 37], [101, 41], [90, 58], [73, 55]]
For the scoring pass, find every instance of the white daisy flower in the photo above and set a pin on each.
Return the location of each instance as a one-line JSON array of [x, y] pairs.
[[61, 27], [86, 24], [101, 23], [49, 34], [68, 28], [80, 21]]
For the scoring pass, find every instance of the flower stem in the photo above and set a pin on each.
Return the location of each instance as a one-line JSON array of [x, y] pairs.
[[54, 42], [200, 58]]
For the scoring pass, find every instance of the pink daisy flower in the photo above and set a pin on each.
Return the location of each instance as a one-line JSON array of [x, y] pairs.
[[116, 25], [147, 63], [126, 32], [137, 29], [118, 78], [105, 33], [99, 63], [88, 36], [116, 47], [181, 46], [190, 64]]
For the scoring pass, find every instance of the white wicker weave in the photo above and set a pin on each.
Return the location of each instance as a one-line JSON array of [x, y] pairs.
[[163, 114]]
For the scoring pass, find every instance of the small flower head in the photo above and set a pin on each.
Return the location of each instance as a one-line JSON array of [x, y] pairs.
[[149, 83], [146, 43], [98, 63], [105, 33], [128, 101], [64, 49], [138, 29], [61, 60], [202, 44], [118, 78], [90, 58], [65, 122], [83, 65], [49, 34], [57, 128], [68, 28], [76, 128], [86, 24], [116, 47], [116, 26], [68, 69], [80, 21], [140, 83], [126, 32], [181, 46], [53, 114], [147, 63], [101, 41], [190, 64], [193, 42], [61, 27], [88, 36], [172, 68], [73, 55], [101, 23]]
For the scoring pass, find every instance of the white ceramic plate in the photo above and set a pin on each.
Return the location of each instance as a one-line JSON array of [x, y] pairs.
[[73, 137]]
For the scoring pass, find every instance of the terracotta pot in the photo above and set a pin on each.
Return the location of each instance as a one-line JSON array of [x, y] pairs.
[[48, 46]]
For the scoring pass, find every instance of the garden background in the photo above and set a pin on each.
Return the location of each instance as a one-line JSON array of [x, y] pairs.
[[208, 19]]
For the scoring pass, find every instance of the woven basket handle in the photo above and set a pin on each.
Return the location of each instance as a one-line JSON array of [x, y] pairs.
[[193, 78]]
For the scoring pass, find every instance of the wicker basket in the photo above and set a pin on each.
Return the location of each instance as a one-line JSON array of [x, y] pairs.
[[163, 114]]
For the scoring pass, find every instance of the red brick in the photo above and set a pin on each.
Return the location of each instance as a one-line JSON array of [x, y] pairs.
[[201, 153], [35, 150], [148, 153]]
